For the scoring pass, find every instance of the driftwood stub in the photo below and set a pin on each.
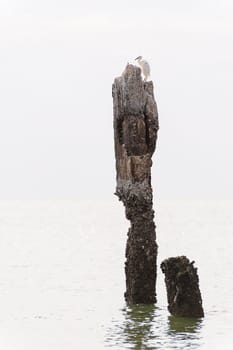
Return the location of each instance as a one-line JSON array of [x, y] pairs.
[[182, 284]]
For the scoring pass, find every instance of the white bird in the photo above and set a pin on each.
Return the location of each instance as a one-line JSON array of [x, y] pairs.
[[144, 65]]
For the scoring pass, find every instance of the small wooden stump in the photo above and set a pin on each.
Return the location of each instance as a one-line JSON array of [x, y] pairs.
[[182, 283]]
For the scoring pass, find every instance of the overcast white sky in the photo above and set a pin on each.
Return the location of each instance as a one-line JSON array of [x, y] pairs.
[[58, 60]]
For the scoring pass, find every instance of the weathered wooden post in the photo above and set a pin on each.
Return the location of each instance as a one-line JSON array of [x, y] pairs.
[[182, 283], [135, 134]]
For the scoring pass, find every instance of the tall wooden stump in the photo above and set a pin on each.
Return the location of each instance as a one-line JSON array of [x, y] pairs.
[[135, 134], [182, 283]]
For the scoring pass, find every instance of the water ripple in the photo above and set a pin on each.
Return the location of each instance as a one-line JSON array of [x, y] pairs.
[[149, 327]]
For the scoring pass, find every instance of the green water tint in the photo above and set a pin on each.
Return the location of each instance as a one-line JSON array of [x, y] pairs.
[[138, 326], [147, 327], [184, 324]]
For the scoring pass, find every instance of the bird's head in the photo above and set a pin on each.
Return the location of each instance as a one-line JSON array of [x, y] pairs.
[[138, 58]]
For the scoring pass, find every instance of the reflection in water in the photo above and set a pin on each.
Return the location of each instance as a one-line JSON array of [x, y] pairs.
[[185, 330], [184, 324], [145, 327], [136, 331], [139, 321]]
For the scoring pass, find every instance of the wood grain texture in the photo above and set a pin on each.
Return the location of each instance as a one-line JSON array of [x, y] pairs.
[[135, 135]]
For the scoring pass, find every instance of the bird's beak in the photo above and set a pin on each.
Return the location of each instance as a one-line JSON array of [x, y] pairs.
[[137, 58]]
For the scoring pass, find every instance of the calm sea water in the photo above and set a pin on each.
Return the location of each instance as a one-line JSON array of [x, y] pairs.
[[62, 277]]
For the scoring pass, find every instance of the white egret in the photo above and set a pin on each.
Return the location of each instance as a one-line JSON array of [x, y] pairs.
[[144, 65]]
